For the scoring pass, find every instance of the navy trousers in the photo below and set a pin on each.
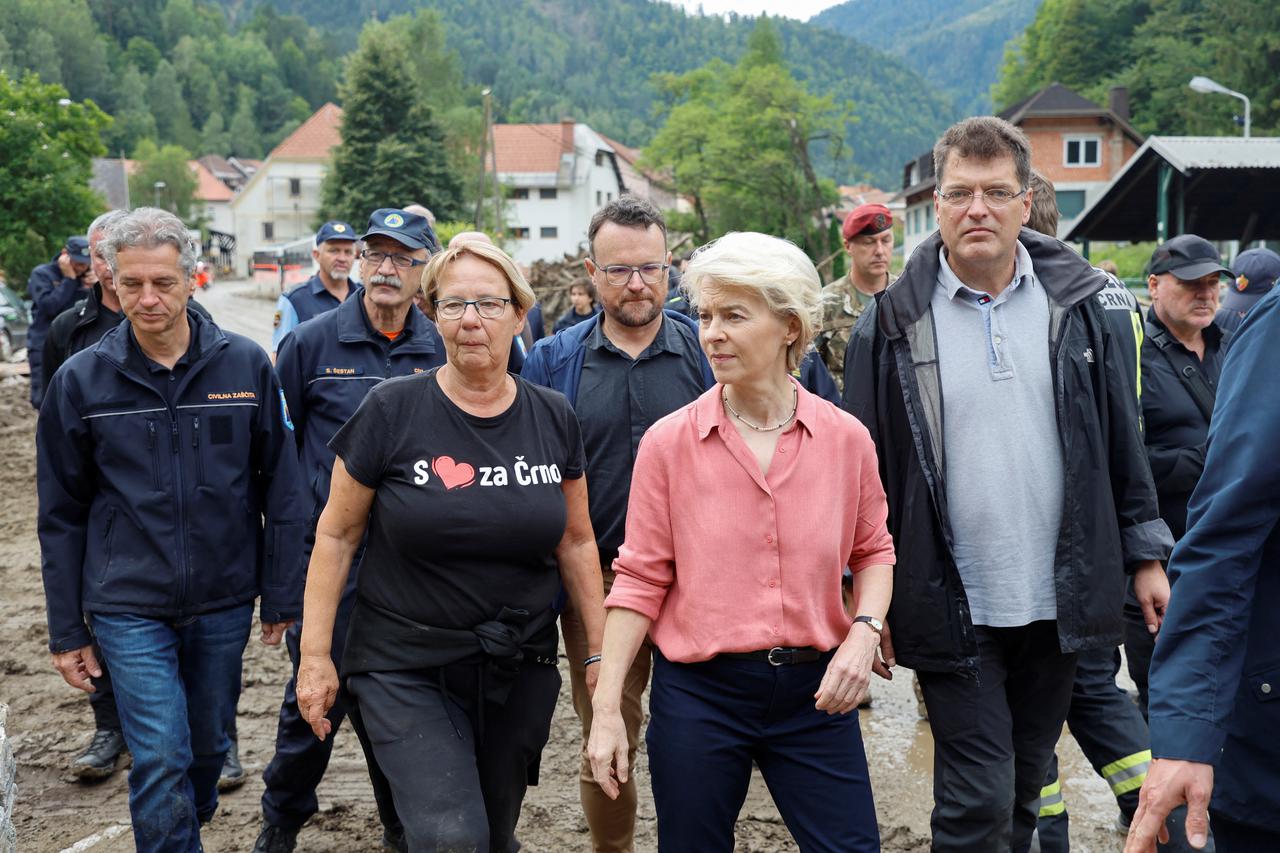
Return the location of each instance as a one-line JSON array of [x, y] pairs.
[[289, 798], [710, 721]]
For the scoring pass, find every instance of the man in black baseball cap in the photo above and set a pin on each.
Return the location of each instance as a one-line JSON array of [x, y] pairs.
[[53, 288], [1256, 272]]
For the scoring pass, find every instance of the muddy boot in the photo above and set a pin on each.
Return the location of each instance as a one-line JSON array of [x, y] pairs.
[[98, 761], [232, 776]]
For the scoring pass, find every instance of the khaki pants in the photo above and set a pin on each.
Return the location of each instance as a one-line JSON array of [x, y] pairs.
[[612, 822]]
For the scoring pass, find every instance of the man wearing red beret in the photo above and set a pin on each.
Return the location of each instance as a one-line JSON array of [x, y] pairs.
[[868, 238]]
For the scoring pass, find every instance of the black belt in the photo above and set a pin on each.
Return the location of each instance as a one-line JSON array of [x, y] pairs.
[[778, 656]]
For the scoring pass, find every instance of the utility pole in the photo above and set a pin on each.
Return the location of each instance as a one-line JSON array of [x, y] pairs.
[[493, 160], [484, 141]]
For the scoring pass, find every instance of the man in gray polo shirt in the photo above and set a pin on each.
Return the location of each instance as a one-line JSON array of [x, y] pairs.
[[1019, 495]]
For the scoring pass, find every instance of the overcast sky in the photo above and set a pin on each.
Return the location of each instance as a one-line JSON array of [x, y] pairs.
[[799, 9]]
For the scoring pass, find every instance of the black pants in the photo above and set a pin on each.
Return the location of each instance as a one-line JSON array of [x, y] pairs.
[[994, 737], [300, 760], [453, 791], [103, 698], [1139, 645], [1232, 837]]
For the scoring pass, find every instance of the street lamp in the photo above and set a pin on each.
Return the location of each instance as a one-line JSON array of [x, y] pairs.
[[158, 186], [1205, 86]]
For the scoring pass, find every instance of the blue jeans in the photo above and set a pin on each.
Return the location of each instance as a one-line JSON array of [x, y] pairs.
[[176, 686]]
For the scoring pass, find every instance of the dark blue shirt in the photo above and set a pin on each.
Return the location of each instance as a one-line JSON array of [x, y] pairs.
[[304, 302], [328, 365], [163, 379], [618, 399]]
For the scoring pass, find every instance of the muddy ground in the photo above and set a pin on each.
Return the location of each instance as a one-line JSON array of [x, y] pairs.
[[50, 723]]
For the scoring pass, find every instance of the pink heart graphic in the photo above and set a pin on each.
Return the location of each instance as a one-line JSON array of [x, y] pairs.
[[454, 475]]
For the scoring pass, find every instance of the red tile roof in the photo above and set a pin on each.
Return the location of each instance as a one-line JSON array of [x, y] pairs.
[[315, 137], [208, 187], [531, 147]]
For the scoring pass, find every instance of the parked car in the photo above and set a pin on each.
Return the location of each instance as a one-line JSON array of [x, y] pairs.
[[15, 317]]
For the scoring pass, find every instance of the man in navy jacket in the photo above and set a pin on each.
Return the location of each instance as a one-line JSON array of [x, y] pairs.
[[169, 502], [1215, 676]]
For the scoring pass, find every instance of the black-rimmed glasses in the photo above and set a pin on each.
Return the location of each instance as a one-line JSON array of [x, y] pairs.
[[490, 307], [403, 262]]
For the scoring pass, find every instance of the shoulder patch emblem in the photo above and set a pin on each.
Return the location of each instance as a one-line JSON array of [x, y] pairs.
[[284, 412], [275, 324]]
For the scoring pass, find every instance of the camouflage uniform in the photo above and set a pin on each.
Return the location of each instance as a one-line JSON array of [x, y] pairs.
[[842, 305]]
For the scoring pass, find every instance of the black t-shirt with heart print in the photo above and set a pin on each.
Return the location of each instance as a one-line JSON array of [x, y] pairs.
[[467, 511]]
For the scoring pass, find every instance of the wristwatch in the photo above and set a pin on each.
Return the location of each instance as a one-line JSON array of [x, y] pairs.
[[872, 622]]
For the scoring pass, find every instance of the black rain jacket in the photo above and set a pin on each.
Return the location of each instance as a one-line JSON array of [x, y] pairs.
[[1110, 519]]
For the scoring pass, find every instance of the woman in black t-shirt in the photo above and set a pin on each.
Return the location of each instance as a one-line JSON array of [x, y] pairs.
[[470, 484]]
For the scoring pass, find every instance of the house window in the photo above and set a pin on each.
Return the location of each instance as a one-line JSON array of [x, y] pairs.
[[1082, 151], [520, 233], [599, 198], [547, 193], [295, 187], [608, 196], [928, 217], [520, 193], [599, 158], [268, 231], [1070, 203], [550, 232]]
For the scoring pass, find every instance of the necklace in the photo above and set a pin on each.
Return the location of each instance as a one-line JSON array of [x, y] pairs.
[[795, 399]]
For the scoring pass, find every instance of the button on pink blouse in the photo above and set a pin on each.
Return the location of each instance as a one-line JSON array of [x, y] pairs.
[[725, 559]]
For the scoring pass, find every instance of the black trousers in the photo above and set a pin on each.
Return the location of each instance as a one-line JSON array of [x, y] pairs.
[[102, 700], [994, 737], [1139, 646], [1232, 837], [289, 796], [454, 791]]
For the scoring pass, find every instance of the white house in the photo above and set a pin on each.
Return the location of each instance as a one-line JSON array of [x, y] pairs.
[[557, 176], [279, 203]]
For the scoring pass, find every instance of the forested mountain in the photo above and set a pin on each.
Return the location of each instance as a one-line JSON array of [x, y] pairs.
[[957, 45], [1155, 47], [173, 71], [592, 60]]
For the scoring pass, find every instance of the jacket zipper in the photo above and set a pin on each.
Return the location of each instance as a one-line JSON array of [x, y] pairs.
[[155, 454], [179, 511], [195, 444]]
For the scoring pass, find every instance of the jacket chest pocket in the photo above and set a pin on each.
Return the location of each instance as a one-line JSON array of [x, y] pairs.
[[217, 439]]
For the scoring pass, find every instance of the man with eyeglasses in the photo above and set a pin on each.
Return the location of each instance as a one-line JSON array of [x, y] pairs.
[[1019, 493], [326, 366], [622, 370], [334, 254]]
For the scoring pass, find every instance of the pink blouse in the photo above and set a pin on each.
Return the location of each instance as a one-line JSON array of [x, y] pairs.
[[725, 559]]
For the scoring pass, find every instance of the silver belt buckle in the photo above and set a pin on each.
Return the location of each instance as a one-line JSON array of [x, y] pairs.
[[770, 658]]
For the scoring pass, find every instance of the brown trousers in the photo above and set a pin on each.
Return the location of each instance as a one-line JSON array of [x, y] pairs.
[[612, 822]]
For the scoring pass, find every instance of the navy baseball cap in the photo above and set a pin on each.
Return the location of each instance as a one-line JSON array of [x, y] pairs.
[[335, 231], [1257, 271], [1187, 257], [407, 229], [78, 249]]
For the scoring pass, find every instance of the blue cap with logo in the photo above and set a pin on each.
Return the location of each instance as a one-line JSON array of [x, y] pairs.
[[1257, 271], [335, 231], [407, 229], [78, 249]]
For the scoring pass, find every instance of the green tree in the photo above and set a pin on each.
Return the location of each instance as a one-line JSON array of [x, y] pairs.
[[173, 120], [167, 166], [133, 119], [737, 141], [246, 141], [49, 143], [392, 150], [214, 138]]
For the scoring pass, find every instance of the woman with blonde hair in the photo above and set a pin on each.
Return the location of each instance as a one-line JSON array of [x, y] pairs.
[[746, 506], [469, 482]]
